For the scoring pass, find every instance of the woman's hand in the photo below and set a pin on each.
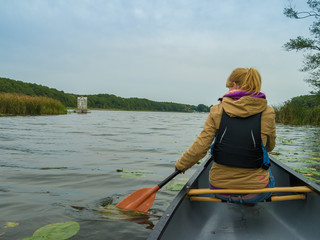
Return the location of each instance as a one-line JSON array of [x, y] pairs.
[[175, 169]]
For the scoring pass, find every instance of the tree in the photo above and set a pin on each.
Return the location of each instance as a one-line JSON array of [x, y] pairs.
[[203, 108], [311, 45]]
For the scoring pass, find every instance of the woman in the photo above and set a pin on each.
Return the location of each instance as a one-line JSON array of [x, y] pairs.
[[243, 129]]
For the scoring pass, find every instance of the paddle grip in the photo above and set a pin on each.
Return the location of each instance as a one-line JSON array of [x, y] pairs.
[[165, 181]]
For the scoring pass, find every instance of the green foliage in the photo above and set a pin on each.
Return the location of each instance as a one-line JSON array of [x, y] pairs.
[[31, 89], [102, 101], [203, 108], [13, 104], [300, 43], [302, 110], [107, 101], [306, 101], [309, 45]]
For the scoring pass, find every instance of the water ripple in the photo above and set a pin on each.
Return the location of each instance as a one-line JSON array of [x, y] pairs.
[[48, 163]]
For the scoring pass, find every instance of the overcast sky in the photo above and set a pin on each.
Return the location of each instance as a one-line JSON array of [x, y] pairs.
[[163, 50]]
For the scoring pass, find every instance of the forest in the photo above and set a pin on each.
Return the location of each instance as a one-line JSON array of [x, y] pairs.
[[98, 101], [302, 110]]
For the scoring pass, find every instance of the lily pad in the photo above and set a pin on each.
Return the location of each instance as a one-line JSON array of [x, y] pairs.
[[310, 161], [175, 186], [11, 224], [313, 179], [307, 171], [284, 141], [184, 179], [56, 231], [133, 173]]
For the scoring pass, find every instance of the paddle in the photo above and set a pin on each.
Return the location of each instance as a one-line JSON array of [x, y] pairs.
[[142, 199]]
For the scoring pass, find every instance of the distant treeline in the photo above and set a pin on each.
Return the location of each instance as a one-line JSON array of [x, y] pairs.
[[12, 86], [302, 110], [102, 101]]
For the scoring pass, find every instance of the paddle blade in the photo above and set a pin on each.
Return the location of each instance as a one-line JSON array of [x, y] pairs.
[[140, 200]]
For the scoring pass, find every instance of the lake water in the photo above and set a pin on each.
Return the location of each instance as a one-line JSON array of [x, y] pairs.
[[50, 163]]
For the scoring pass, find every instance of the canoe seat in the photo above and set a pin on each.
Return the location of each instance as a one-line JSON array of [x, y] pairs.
[[299, 193]]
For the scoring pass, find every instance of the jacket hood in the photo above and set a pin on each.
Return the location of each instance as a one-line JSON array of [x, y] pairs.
[[244, 107]]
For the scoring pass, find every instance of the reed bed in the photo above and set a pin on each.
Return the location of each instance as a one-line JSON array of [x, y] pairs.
[[294, 115], [14, 104]]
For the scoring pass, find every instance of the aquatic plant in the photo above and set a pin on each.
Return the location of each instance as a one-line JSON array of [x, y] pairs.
[[310, 173], [133, 173], [11, 224], [175, 186], [295, 115], [57, 231], [14, 104], [307, 171]]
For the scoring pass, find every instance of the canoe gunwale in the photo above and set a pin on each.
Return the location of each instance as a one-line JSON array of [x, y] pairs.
[[164, 220]]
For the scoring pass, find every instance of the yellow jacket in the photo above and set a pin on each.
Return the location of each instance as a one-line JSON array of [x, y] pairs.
[[222, 176]]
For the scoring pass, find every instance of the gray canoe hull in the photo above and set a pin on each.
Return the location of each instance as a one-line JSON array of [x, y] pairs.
[[296, 219]]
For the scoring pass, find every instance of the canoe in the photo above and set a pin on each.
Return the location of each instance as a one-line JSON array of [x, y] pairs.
[[290, 219]]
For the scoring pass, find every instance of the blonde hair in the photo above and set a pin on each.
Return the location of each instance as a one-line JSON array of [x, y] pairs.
[[247, 79]]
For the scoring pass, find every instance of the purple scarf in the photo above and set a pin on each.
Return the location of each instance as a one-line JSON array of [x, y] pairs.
[[239, 94]]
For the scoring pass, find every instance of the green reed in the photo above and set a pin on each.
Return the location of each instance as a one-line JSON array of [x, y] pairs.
[[14, 104], [289, 114]]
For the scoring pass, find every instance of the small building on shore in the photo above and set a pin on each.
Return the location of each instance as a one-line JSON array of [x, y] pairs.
[[82, 105]]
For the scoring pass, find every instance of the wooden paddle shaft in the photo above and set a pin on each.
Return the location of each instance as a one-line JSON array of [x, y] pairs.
[[246, 191], [273, 198]]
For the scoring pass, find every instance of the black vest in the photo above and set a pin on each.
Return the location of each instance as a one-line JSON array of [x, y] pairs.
[[238, 142]]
